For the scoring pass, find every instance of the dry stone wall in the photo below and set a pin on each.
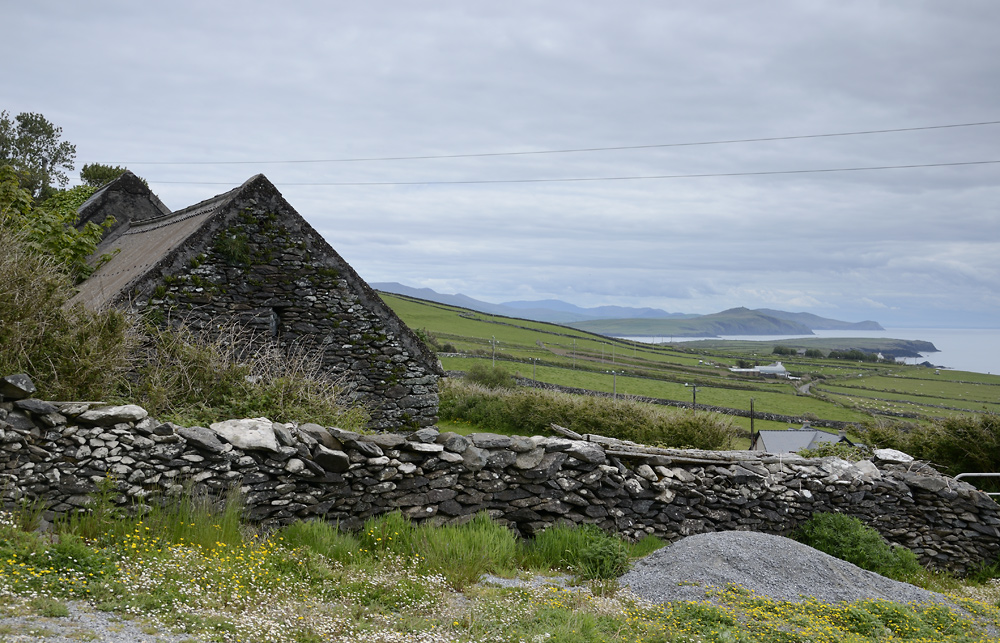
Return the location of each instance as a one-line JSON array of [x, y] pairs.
[[60, 452]]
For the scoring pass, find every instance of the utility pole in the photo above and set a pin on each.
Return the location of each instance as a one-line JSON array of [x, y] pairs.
[[751, 422], [494, 342], [694, 394]]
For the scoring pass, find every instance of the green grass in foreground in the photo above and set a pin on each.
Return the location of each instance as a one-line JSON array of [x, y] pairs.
[[185, 570]]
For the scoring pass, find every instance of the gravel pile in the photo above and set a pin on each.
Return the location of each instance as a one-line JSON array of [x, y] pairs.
[[770, 566]]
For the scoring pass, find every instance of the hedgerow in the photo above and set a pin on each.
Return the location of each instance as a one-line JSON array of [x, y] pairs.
[[531, 411]]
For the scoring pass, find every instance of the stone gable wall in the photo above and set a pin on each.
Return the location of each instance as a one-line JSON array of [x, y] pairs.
[[263, 266], [59, 452]]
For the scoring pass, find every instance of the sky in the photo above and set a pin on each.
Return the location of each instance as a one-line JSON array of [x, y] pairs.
[[197, 97]]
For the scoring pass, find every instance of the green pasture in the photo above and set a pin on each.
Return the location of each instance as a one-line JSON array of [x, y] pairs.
[[844, 390], [934, 407], [770, 396], [936, 387]]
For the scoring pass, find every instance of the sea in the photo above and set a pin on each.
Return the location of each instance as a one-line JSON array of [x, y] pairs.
[[962, 349]]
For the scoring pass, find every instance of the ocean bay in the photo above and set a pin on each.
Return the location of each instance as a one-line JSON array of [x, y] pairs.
[[963, 349]]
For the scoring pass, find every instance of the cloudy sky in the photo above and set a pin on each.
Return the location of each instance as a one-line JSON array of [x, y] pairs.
[[198, 96]]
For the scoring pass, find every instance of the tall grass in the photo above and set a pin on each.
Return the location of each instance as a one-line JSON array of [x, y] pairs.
[[196, 378], [463, 553], [524, 410], [586, 550], [198, 519]]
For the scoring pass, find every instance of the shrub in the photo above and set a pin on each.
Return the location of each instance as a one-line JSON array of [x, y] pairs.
[[69, 352], [531, 411], [49, 228], [965, 443], [587, 551], [493, 377], [849, 539]]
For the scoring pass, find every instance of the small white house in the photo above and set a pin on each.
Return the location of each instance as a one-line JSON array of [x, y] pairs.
[[777, 370]]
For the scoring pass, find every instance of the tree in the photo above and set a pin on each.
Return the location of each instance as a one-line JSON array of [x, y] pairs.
[[49, 228], [15, 203], [30, 144], [98, 175]]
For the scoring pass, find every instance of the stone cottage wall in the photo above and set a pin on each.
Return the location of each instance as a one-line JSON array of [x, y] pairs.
[[266, 268], [59, 452]]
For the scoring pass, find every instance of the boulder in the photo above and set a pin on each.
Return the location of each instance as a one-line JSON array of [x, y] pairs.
[[530, 459], [474, 458], [384, 440], [490, 440], [248, 434], [35, 407], [423, 447], [892, 455], [587, 452], [427, 435], [331, 460], [16, 387], [367, 449], [320, 434], [453, 442], [111, 415], [203, 438]]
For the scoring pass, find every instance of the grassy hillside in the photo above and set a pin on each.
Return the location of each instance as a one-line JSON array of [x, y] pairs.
[[737, 321], [828, 389]]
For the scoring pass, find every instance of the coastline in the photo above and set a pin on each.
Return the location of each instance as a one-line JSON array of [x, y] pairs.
[[975, 350]]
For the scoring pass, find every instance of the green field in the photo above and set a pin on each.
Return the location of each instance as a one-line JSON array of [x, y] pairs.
[[824, 389]]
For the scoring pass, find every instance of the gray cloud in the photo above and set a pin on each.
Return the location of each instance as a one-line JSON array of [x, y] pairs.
[[250, 81]]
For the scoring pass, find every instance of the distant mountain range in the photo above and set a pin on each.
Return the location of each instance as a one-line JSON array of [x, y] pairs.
[[621, 320]]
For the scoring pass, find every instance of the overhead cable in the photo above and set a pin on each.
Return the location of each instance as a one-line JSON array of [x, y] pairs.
[[564, 151], [604, 178]]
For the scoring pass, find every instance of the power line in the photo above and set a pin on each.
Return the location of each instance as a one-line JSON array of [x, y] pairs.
[[564, 151], [606, 178]]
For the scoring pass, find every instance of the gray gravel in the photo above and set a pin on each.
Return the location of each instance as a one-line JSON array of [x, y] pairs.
[[85, 623], [770, 566]]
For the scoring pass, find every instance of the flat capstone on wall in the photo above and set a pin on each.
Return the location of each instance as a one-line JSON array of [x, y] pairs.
[[59, 452]]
